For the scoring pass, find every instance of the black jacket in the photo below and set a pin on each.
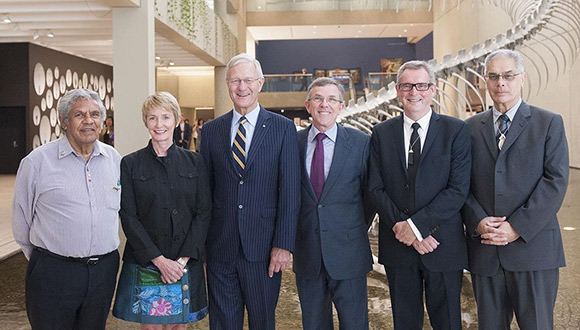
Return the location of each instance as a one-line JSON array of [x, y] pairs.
[[165, 204]]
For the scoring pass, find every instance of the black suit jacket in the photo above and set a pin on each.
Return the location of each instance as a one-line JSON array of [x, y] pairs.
[[187, 131], [526, 182], [442, 184], [258, 211], [334, 229]]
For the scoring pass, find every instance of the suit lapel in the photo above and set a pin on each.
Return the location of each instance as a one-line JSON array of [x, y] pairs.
[[262, 127], [303, 145], [341, 152], [517, 127], [432, 132], [398, 137], [225, 131], [487, 131]]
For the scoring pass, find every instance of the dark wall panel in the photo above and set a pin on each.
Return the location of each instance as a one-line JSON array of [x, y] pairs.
[[14, 75]]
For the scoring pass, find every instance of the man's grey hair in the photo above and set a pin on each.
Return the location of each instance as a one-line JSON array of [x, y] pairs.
[[517, 57], [245, 58], [69, 99], [324, 81], [416, 65]]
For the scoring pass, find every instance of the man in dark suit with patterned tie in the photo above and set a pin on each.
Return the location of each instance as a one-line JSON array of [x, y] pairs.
[[332, 255], [520, 175], [419, 179], [252, 157]]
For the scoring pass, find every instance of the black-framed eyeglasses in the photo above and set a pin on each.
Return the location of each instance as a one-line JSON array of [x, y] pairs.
[[237, 82], [330, 100], [507, 76], [421, 87]]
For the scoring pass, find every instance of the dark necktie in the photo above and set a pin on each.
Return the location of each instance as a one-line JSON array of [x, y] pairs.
[[317, 166], [239, 147], [503, 128], [413, 164]]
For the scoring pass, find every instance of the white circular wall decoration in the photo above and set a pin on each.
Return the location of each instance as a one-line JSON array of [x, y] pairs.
[[44, 130], [56, 72], [49, 77], [57, 128], [85, 80], [52, 137], [35, 142], [56, 90], [62, 85], [91, 79], [68, 75], [43, 104], [49, 99], [53, 117], [36, 115], [109, 85], [107, 103], [39, 79], [102, 87], [112, 104], [75, 80]]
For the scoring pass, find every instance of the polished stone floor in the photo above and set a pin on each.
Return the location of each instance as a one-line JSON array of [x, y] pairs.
[[567, 317]]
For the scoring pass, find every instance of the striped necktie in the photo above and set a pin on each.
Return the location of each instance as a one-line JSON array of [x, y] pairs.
[[503, 128], [239, 147]]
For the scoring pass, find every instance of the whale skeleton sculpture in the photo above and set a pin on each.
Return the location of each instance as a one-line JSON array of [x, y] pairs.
[[549, 27]]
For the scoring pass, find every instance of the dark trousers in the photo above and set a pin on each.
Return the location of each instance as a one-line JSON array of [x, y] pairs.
[[62, 294], [349, 297], [531, 295], [442, 297], [240, 284]]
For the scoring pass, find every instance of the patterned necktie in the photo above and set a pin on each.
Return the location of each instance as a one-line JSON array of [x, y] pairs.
[[239, 147], [317, 166], [413, 164], [503, 128]]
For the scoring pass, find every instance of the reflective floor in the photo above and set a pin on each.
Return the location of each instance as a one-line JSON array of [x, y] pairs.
[[567, 317]]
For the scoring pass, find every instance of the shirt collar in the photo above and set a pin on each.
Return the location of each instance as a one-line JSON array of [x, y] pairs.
[[511, 113], [423, 121], [65, 149], [170, 151], [330, 133], [251, 116]]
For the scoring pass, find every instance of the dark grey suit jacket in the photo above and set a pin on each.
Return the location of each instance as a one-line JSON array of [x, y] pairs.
[[526, 182], [441, 187], [333, 230]]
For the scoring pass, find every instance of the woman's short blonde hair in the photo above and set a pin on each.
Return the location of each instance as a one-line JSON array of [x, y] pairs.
[[162, 100]]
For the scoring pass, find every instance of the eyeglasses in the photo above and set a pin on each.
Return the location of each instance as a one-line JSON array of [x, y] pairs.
[[508, 76], [237, 82], [421, 87], [330, 100]]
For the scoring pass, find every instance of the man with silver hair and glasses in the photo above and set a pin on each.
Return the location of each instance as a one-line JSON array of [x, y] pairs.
[[65, 218], [418, 180], [520, 175], [253, 164]]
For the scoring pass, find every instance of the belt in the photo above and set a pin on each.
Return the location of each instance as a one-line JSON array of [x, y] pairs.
[[92, 260]]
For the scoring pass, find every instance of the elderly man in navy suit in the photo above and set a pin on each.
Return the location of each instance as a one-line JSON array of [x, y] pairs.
[[419, 180], [253, 162], [520, 175], [333, 255]]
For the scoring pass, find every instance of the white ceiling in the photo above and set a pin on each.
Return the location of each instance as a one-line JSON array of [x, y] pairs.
[[84, 28]]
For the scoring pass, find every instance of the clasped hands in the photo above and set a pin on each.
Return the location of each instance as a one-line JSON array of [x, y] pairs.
[[405, 235], [171, 270], [496, 231]]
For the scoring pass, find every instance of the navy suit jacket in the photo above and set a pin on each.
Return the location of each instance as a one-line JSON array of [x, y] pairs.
[[442, 185], [258, 211], [334, 229], [526, 182]]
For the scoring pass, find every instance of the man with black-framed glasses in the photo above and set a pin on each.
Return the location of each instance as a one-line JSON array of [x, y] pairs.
[[418, 180], [520, 175]]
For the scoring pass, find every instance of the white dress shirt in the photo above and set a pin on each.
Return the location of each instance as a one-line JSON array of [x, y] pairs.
[[329, 142], [250, 126]]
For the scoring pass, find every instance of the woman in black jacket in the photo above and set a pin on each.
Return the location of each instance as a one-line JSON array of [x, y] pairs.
[[165, 213]]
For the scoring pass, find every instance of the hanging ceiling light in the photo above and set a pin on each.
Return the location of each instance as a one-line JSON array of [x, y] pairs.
[[50, 34], [171, 63], [35, 35], [6, 19]]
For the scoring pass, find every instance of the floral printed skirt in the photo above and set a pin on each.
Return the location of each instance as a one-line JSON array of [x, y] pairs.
[[143, 298]]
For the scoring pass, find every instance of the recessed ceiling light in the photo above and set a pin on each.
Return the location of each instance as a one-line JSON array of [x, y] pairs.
[[6, 19], [362, 26], [50, 34], [411, 24], [405, 30], [259, 7], [359, 31], [399, 35], [157, 57], [314, 27], [313, 32], [569, 228], [171, 63], [35, 35]]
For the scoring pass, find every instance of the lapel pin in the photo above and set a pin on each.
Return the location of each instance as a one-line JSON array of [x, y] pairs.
[[264, 126]]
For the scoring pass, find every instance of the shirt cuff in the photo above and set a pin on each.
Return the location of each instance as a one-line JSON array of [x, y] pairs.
[[415, 230]]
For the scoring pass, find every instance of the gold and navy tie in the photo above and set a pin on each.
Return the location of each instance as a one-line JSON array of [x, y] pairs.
[[239, 147]]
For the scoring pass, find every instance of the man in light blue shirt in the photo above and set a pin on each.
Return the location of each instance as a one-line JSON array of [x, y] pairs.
[[65, 218]]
